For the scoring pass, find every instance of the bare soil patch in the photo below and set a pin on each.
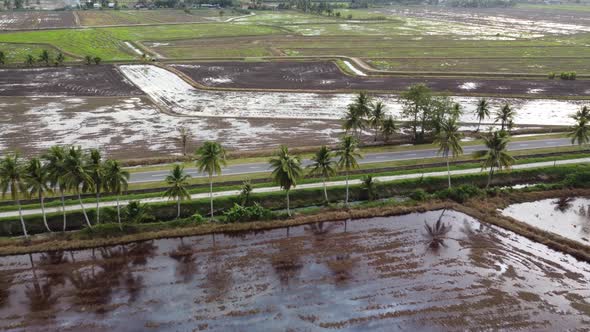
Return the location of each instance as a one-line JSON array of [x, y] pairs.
[[29, 20], [326, 76], [357, 275], [102, 80]]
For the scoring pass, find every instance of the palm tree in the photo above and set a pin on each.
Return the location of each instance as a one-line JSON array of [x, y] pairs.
[[362, 104], [580, 132], [505, 117], [583, 113], [353, 121], [377, 117], [482, 111], [2, 58], [59, 59], [11, 179], [116, 180], [77, 177], [178, 180], [55, 159], [37, 182], [286, 171], [184, 135], [496, 156], [323, 166], [448, 139], [96, 172], [88, 60], [347, 158], [210, 158], [388, 128]]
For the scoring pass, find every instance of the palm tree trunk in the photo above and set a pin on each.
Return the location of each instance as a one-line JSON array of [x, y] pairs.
[[490, 176], [288, 205], [346, 188], [478, 125], [449, 172], [119, 213], [84, 210], [42, 199], [22, 220], [178, 207], [97, 208], [211, 194], [325, 191], [63, 206]]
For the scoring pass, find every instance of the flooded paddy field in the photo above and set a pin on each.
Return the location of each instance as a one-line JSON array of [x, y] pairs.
[[327, 76], [568, 217], [174, 94], [19, 20], [132, 127], [378, 274], [101, 80], [508, 22]]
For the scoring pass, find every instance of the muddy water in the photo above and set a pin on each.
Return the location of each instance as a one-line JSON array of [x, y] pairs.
[[377, 274], [570, 219]]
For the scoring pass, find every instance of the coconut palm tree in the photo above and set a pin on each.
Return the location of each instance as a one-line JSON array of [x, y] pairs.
[[55, 164], [448, 139], [323, 166], [362, 104], [369, 184], [583, 113], [210, 159], [77, 176], [347, 158], [353, 121], [482, 111], [377, 117], [286, 171], [184, 135], [178, 181], [496, 156], [37, 182], [388, 128], [59, 59], [29, 60], [580, 132], [2, 58], [12, 179], [505, 116], [116, 180], [96, 171]]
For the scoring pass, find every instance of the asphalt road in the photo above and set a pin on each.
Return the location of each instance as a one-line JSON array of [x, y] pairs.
[[368, 159]]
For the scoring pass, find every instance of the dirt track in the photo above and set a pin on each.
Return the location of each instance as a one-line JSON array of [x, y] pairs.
[[326, 76], [80, 81], [377, 274]]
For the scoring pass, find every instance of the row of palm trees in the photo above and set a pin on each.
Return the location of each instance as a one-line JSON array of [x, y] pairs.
[[62, 169]]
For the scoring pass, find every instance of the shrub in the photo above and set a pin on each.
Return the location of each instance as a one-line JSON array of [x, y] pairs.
[[551, 75], [460, 194], [135, 212], [570, 76], [239, 213], [577, 180], [418, 195]]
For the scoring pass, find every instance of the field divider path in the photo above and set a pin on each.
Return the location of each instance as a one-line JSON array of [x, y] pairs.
[[78, 207]]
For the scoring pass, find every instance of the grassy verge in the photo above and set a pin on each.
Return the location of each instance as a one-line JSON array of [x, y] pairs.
[[166, 211], [261, 180]]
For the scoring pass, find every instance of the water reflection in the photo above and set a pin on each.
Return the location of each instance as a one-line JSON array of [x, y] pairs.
[[186, 262], [563, 203]]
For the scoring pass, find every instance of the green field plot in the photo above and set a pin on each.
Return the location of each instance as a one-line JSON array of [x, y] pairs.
[[108, 43], [16, 53]]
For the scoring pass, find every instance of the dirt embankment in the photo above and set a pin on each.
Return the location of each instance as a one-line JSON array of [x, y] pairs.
[[79, 81], [326, 76]]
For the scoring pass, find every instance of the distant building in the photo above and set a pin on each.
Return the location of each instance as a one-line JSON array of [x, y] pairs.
[[111, 5], [96, 5]]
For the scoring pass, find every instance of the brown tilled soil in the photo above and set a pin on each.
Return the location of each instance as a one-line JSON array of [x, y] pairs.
[[104, 80], [368, 274], [36, 20], [326, 76]]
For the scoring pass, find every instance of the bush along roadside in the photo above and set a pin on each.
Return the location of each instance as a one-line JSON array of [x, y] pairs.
[[229, 210]]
